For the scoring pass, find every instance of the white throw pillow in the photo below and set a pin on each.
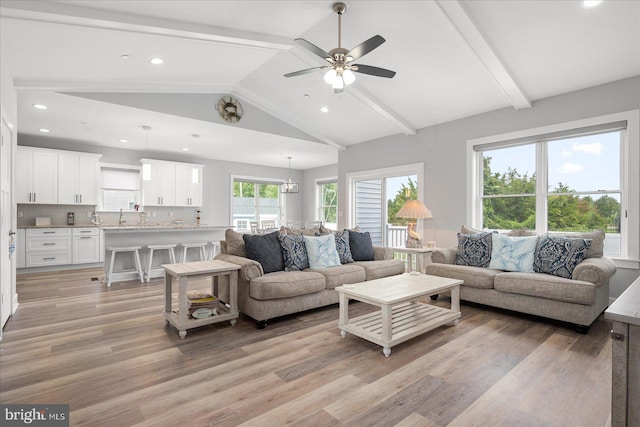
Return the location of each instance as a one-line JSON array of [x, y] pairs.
[[513, 253], [322, 251]]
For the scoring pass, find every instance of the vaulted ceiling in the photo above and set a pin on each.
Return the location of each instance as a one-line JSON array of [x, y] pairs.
[[453, 59]]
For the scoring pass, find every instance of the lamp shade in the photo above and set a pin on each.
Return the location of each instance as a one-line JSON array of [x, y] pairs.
[[414, 209]]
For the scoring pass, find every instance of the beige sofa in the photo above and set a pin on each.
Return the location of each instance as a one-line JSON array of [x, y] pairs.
[[267, 296], [578, 300]]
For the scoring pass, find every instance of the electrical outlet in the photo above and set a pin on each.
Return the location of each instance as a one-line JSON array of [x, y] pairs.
[[170, 214], [148, 214], [153, 214], [20, 214], [89, 214]]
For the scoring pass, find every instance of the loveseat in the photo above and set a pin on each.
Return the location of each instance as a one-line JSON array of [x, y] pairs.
[[576, 294], [267, 295]]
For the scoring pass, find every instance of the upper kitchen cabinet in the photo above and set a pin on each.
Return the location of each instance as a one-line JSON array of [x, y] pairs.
[[188, 185], [36, 177], [167, 183], [78, 178]]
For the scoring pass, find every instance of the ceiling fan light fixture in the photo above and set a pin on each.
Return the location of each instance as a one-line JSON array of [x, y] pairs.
[[330, 76], [338, 84], [348, 76]]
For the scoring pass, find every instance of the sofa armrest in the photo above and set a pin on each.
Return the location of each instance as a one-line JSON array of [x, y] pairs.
[[595, 270], [249, 269], [381, 253], [444, 255]]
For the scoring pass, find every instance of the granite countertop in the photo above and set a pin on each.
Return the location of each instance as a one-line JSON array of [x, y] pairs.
[[125, 227]]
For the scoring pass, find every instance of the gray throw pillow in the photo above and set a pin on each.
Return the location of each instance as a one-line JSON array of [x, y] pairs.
[[235, 243], [361, 246], [474, 249], [265, 248], [559, 256]]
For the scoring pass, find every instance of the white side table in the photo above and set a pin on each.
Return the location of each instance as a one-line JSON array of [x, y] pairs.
[[422, 254]]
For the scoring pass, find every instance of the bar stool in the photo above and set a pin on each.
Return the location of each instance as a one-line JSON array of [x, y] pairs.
[[201, 246], [215, 249], [122, 275], [158, 271]]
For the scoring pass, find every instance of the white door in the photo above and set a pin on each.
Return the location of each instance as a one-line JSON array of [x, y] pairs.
[[6, 268], [23, 175]]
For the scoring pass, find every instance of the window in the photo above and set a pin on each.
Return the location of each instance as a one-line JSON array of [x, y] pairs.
[[255, 202], [120, 188], [328, 203], [569, 179]]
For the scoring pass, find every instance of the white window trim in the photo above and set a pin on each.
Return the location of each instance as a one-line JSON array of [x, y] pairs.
[[630, 177], [123, 167], [283, 200], [409, 169], [318, 182]]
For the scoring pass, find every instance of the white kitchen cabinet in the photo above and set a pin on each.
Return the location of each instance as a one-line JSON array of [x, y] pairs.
[[188, 185], [86, 245], [36, 178], [78, 178], [48, 246], [158, 183]]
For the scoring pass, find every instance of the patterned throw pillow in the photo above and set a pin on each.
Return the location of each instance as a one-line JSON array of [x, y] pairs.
[[321, 251], [474, 249], [265, 248], [294, 252], [342, 246], [560, 255], [361, 246], [513, 253]]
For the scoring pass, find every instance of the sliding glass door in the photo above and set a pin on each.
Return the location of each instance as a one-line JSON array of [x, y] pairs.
[[256, 205]]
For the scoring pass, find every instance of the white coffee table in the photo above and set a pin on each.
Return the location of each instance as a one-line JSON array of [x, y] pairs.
[[401, 316]]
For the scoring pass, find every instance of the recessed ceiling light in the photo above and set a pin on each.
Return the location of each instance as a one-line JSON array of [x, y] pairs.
[[591, 3], [40, 106], [125, 56], [45, 130], [306, 95], [185, 149], [124, 140], [324, 109], [156, 61]]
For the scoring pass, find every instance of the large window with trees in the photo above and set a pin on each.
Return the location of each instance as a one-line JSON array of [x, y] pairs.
[[254, 203], [328, 202], [569, 180]]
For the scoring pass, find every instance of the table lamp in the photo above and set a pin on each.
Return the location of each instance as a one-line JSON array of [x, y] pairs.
[[413, 209]]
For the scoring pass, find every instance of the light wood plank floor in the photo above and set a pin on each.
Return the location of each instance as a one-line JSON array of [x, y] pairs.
[[108, 354]]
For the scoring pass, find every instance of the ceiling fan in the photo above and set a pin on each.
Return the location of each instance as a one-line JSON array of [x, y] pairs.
[[341, 66]]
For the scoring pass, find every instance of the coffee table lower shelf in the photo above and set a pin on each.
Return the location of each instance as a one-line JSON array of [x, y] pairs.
[[408, 320]]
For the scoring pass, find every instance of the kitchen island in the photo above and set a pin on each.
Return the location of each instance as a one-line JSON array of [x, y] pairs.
[[156, 234]]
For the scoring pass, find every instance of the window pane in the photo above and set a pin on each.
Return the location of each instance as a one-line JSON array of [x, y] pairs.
[[508, 213], [269, 204], [586, 163], [399, 189], [368, 206], [114, 200], [510, 170], [329, 204]]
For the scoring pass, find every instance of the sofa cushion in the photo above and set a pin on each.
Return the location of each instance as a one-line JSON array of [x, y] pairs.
[[546, 286], [559, 255], [361, 246], [521, 232], [286, 284], [235, 243], [596, 250], [343, 247], [474, 249], [294, 252], [265, 248], [296, 231], [338, 276], [322, 251], [475, 277], [382, 268], [512, 253]]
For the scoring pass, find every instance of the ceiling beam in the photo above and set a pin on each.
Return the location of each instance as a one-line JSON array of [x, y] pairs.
[[93, 18], [462, 21], [120, 86]]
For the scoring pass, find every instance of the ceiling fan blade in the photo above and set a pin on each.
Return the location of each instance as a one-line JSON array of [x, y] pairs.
[[312, 48], [374, 71], [308, 70], [365, 47]]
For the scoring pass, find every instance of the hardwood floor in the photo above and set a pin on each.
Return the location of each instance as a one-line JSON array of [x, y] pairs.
[[108, 354]]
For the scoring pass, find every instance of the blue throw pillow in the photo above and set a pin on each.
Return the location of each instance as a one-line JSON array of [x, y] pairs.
[[294, 252], [321, 251], [343, 247], [559, 256], [513, 253], [361, 246], [474, 249], [265, 248]]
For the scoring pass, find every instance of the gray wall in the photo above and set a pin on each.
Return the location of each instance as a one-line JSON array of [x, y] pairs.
[[216, 180], [442, 148]]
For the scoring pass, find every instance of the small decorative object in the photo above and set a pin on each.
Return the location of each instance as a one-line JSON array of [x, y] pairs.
[[71, 218], [230, 109], [43, 221], [142, 218], [202, 305], [198, 217], [289, 186], [413, 209], [96, 218], [431, 244]]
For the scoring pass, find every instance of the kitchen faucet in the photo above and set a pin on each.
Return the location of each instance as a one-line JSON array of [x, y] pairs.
[[121, 220]]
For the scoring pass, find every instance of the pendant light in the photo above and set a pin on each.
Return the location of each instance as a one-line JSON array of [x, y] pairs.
[[289, 186], [146, 167]]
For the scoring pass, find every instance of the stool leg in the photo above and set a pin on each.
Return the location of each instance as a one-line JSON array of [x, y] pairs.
[[184, 254], [203, 253], [139, 266], [149, 262], [111, 262], [172, 256]]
